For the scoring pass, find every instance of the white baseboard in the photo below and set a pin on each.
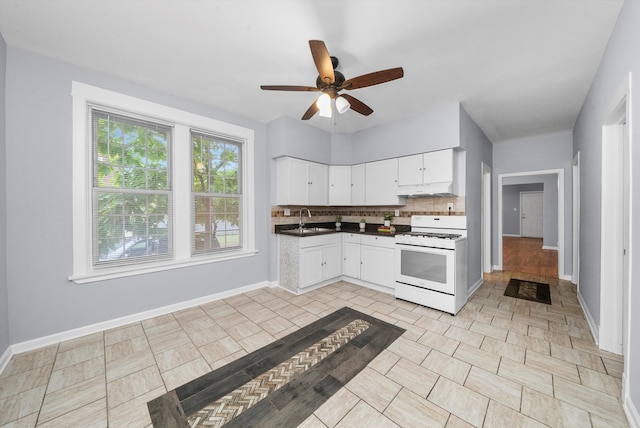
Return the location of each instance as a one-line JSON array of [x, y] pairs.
[[549, 247], [592, 324], [30, 345], [629, 407], [566, 277], [497, 267], [474, 288], [512, 235], [5, 358]]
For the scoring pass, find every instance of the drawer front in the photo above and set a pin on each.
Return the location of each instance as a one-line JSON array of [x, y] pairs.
[[378, 241]]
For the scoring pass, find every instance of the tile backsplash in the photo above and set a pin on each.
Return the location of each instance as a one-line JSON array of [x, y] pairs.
[[435, 205]]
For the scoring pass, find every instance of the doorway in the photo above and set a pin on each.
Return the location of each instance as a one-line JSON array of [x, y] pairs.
[[558, 178]]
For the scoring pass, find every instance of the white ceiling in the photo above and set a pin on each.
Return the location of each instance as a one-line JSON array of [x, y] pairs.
[[519, 67]]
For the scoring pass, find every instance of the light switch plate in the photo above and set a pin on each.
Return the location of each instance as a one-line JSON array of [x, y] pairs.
[[287, 212]]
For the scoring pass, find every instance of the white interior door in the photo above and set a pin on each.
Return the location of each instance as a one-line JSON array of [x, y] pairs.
[[531, 214]]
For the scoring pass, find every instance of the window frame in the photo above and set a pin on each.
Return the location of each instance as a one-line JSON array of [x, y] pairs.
[[84, 96]]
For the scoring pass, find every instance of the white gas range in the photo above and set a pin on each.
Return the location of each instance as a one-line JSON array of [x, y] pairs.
[[431, 262]]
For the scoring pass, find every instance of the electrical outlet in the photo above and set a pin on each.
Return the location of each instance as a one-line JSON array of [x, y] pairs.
[[450, 206], [287, 212]]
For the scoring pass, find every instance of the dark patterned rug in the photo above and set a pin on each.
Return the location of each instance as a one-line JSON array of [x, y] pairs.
[[283, 383], [528, 290]]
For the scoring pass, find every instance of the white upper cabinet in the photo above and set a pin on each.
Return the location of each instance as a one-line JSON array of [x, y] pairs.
[[358, 185], [318, 184], [429, 173], [425, 168], [300, 182], [381, 186], [410, 170], [339, 185], [439, 166]]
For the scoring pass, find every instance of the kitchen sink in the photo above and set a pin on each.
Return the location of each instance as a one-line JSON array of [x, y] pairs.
[[307, 230]]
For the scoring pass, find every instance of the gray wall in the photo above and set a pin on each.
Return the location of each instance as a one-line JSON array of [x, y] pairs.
[[38, 209], [478, 150], [620, 58], [511, 205], [434, 129], [4, 298], [549, 202], [538, 153]]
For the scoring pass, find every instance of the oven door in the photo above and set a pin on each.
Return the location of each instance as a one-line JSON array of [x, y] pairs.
[[426, 267]]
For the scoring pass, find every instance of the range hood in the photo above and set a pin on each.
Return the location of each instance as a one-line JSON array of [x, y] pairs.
[[444, 188]]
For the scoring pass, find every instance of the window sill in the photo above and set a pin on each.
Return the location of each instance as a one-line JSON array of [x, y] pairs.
[[121, 272]]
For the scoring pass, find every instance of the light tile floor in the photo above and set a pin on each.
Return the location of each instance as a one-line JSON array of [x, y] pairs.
[[500, 362]]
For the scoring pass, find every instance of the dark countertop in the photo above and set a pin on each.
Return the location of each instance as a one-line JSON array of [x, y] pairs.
[[330, 227]]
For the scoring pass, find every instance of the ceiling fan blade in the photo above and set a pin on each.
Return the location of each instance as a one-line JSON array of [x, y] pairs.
[[313, 109], [322, 60], [288, 88], [374, 78], [357, 105]]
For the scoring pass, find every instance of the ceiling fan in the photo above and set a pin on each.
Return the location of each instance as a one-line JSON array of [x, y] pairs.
[[330, 82]]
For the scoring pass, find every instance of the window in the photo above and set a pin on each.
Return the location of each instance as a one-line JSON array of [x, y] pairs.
[[132, 215], [216, 193], [156, 188]]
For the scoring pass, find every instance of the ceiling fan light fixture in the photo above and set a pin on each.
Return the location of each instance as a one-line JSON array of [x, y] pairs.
[[324, 105], [342, 105]]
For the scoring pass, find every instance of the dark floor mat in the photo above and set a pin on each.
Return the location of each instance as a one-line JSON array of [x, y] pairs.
[[282, 383], [528, 290]]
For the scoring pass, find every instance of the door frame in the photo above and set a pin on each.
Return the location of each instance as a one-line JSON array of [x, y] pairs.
[[613, 331], [539, 192], [560, 180], [486, 220], [576, 221]]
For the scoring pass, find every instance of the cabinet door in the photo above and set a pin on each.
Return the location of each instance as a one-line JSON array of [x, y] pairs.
[[358, 185], [438, 166], [311, 264], [378, 265], [410, 170], [332, 261], [339, 185], [318, 184], [292, 181], [351, 260], [381, 186]]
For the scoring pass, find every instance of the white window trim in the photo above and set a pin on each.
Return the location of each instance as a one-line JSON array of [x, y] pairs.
[[83, 271]]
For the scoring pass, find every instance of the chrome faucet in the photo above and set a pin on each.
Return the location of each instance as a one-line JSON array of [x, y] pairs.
[[301, 224]]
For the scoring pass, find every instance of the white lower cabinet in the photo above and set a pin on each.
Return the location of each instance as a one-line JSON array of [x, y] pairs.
[[306, 262], [369, 258], [319, 263], [377, 254], [351, 255], [310, 260]]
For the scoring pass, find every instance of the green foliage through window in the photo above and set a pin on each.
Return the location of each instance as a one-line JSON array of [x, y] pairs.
[[216, 193], [131, 189]]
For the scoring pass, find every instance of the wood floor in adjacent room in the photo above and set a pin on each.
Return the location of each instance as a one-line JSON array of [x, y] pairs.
[[527, 256]]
